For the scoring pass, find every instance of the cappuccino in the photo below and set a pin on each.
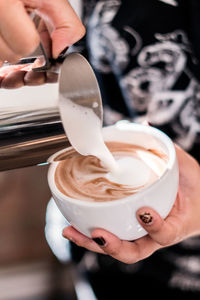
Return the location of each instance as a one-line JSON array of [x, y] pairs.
[[86, 178], [90, 196]]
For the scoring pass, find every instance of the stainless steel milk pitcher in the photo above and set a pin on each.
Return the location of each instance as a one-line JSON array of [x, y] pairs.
[[28, 136]]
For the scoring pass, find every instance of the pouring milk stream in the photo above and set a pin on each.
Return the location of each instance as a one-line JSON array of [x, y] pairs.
[[78, 97]]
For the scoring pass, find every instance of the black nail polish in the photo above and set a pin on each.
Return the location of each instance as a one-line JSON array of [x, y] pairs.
[[62, 55], [100, 241], [146, 218]]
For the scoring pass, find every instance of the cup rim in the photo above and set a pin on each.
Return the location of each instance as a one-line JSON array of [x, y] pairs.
[[128, 126]]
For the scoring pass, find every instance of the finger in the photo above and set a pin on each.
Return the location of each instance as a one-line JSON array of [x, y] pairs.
[[67, 28], [34, 78], [42, 77], [12, 76], [16, 28], [1, 79], [124, 251], [51, 77], [165, 232], [81, 240], [7, 69], [13, 80], [45, 37], [6, 53]]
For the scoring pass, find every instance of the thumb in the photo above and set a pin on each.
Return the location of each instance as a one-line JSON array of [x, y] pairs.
[[68, 29], [65, 26], [164, 232]]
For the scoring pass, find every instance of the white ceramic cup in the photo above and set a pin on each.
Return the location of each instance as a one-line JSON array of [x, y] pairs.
[[119, 216]]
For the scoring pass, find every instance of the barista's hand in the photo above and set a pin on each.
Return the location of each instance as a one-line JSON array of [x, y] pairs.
[[60, 27], [182, 222]]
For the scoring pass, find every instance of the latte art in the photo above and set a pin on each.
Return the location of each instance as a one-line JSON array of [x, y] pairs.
[[84, 177]]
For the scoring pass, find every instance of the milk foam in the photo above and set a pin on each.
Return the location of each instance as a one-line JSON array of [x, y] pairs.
[[131, 171]]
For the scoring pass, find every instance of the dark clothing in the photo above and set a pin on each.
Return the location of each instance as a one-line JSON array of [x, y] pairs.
[[146, 56]]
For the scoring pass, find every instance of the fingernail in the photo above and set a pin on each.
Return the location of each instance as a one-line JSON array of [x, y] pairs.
[[146, 218], [61, 56], [100, 241]]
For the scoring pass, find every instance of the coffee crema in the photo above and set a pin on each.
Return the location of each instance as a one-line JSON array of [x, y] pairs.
[[84, 178]]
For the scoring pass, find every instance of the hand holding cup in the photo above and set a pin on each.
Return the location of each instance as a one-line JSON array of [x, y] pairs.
[[131, 229]]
